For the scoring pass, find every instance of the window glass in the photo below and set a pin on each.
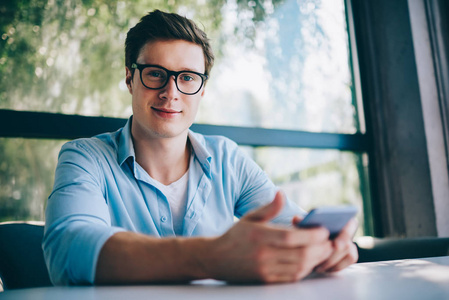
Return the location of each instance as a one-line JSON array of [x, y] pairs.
[[310, 178], [292, 72], [313, 178], [279, 64], [26, 176]]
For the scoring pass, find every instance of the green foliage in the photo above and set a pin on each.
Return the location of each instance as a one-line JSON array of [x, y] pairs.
[[26, 177], [68, 56]]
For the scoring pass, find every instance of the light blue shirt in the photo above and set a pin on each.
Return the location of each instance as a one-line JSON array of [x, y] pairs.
[[100, 190]]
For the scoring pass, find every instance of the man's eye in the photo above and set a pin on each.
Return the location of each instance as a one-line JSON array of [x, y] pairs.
[[187, 77], [155, 74]]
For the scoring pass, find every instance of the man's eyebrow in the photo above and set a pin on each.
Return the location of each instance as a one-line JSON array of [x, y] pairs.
[[190, 69], [180, 69]]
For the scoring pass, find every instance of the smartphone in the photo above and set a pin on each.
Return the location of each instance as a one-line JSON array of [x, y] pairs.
[[334, 218]]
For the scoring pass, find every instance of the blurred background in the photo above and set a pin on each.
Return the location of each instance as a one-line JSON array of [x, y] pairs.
[[280, 64]]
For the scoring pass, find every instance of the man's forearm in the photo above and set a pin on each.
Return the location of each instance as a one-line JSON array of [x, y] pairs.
[[129, 257], [251, 251]]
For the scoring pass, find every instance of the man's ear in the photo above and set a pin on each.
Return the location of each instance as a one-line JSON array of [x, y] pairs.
[[129, 80], [204, 90]]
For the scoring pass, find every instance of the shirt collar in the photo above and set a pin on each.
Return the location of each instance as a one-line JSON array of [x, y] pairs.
[[202, 154], [126, 147]]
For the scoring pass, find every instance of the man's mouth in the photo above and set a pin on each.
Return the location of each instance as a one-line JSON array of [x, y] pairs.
[[166, 110]]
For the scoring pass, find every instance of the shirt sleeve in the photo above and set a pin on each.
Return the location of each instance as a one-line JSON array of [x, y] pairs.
[[77, 217], [255, 189]]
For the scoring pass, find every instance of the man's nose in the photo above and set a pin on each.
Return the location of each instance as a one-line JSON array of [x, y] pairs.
[[170, 91]]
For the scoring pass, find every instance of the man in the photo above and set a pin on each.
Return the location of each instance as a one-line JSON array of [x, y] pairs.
[[155, 202]]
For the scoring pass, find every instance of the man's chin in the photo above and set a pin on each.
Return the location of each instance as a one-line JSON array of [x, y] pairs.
[[169, 133]]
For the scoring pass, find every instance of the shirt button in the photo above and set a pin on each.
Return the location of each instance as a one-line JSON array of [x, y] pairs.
[[163, 219]]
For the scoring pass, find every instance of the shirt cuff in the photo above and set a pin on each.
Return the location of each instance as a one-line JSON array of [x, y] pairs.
[[85, 250]]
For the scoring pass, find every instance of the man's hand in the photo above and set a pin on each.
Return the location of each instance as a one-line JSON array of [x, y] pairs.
[[251, 251], [255, 251], [345, 252]]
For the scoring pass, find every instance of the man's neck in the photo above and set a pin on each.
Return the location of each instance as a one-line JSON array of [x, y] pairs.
[[164, 159]]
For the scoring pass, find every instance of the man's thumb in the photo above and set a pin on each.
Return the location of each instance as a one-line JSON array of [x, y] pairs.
[[269, 211]]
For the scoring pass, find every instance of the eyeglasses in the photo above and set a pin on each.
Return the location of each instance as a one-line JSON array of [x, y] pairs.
[[155, 77]]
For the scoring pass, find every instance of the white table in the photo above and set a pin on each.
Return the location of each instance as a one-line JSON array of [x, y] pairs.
[[426, 279]]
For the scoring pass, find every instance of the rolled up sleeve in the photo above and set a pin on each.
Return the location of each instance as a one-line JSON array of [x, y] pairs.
[[78, 221]]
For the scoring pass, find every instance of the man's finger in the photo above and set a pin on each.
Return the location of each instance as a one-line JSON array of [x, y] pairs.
[[313, 254], [344, 251], [346, 261], [349, 230], [286, 237], [296, 220]]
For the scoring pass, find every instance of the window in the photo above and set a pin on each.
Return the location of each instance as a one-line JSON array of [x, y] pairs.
[[283, 68]]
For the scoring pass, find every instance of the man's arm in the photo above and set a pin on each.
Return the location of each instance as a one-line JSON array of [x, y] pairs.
[[251, 251], [129, 257]]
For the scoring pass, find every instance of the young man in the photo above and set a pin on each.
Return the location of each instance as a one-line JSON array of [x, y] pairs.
[[155, 202]]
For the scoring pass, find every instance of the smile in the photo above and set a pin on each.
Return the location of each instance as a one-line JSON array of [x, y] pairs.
[[165, 112]]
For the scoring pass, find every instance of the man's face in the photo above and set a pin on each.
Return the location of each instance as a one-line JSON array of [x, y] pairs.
[[166, 112]]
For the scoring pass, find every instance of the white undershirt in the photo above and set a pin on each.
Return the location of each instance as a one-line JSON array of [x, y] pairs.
[[176, 193]]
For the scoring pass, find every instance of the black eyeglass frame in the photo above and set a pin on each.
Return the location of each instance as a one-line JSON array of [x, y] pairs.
[[170, 73]]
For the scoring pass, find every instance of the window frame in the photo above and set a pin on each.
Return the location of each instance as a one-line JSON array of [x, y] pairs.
[[409, 181]]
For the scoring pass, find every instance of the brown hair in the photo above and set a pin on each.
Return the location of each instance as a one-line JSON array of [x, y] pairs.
[[158, 25]]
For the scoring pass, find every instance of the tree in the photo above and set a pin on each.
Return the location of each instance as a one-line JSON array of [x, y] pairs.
[[67, 57]]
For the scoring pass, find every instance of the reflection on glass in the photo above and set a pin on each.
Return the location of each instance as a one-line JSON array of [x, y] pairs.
[[294, 75], [26, 177], [313, 178], [280, 64]]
